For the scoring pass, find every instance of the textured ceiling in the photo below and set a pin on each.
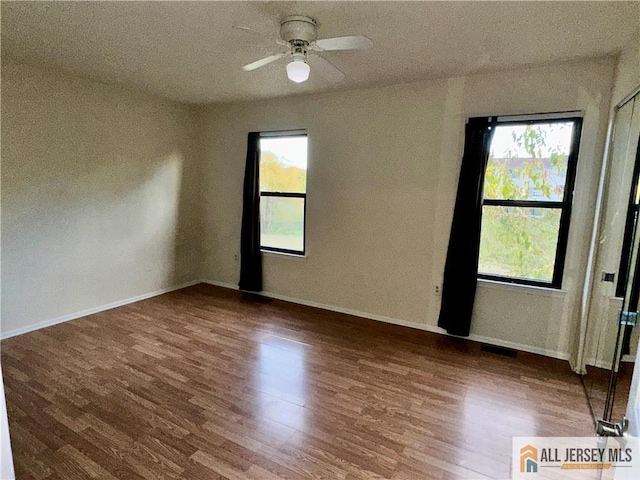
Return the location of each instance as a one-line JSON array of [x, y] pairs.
[[188, 51]]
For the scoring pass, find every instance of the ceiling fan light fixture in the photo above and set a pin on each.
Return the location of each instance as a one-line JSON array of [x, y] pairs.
[[300, 34], [298, 70]]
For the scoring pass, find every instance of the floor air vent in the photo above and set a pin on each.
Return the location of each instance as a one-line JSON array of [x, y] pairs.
[[505, 352]]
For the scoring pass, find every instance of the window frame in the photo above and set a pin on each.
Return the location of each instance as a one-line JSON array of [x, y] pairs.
[[303, 196], [565, 205]]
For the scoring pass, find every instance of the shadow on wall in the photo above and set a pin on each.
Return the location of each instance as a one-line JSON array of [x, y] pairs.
[[94, 204], [188, 208]]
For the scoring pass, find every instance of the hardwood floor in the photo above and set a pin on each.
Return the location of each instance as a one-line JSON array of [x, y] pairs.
[[207, 383], [596, 384]]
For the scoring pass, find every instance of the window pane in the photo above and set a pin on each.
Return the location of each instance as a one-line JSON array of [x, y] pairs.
[[529, 162], [283, 164], [282, 223], [519, 242]]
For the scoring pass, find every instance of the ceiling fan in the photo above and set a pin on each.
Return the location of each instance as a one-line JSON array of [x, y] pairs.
[[300, 35]]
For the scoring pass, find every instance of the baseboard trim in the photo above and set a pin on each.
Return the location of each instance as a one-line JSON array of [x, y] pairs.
[[90, 311], [606, 364], [404, 323], [522, 347], [599, 364]]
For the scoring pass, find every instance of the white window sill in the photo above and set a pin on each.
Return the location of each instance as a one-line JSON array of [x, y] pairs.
[[520, 288], [292, 256]]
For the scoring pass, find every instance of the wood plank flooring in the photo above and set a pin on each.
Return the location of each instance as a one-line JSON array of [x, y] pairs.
[[596, 384], [207, 383]]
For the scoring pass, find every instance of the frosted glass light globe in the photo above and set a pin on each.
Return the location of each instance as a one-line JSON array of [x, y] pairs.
[[298, 71]]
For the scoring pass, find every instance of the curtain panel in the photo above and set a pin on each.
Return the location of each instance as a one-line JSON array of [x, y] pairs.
[[250, 253], [461, 267]]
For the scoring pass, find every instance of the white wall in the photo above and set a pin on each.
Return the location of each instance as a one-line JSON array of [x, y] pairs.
[[628, 70], [99, 195], [383, 171]]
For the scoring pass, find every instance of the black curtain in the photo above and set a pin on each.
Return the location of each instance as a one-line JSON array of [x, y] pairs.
[[461, 268], [250, 254]]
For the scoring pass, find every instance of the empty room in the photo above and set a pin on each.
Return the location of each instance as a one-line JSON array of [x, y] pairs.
[[329, 240]]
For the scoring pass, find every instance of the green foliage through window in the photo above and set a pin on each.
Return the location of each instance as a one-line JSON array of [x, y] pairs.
[[528, 164], [283, 186]]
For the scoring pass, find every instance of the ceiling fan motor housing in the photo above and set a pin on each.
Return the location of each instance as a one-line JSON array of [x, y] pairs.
[[299, 27]]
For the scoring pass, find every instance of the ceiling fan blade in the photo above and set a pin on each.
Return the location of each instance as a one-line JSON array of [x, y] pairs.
[[242, 28], [327, 69], [264, 61], [352, 42]]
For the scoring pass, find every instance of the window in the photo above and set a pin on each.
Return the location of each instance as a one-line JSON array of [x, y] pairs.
[[283, 192], [528, 189]]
